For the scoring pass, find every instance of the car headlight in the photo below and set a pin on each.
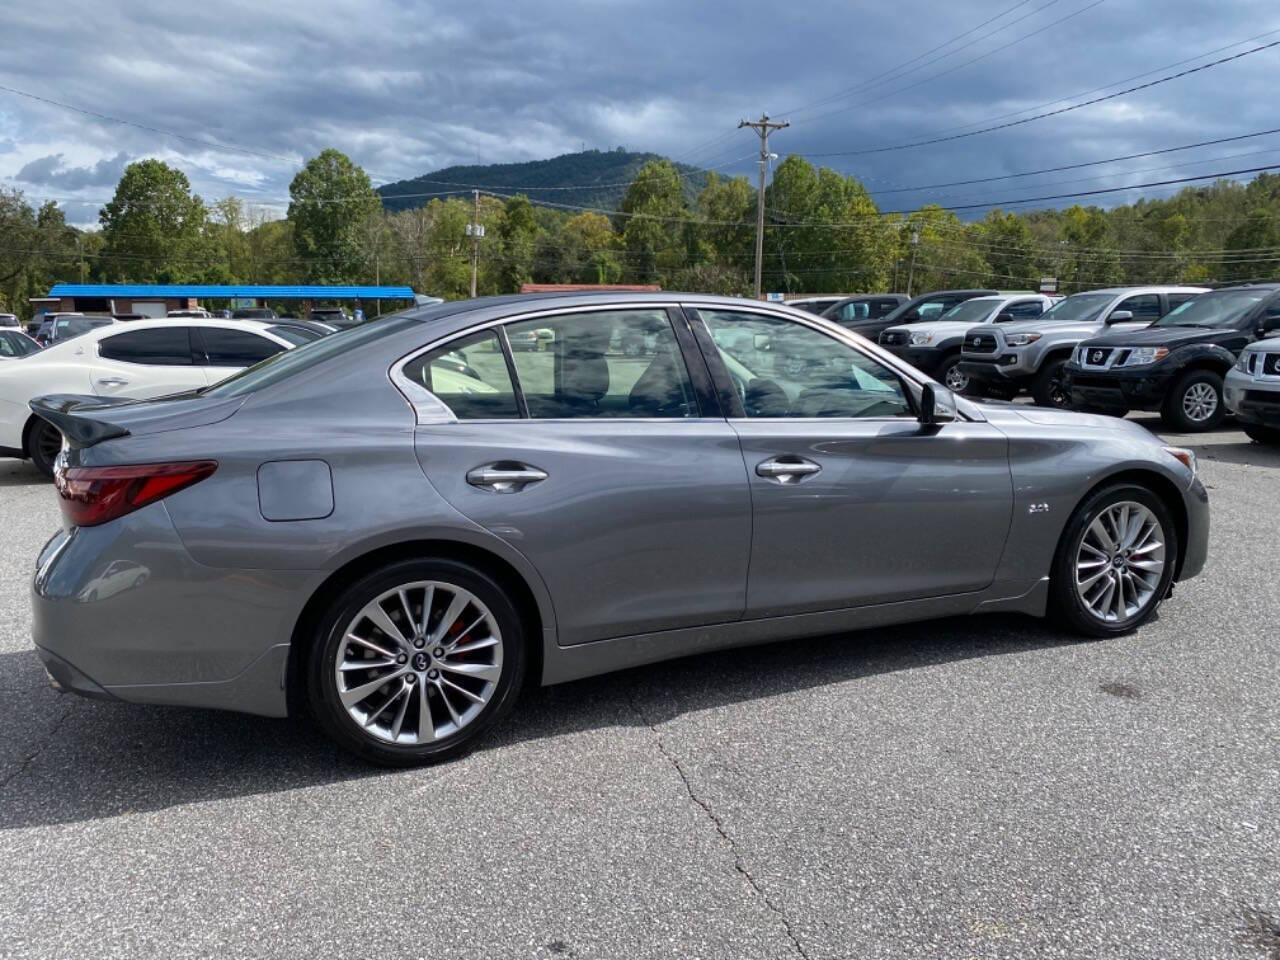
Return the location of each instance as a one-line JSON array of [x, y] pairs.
[[1022, 339], [920, 339], [1184, 456], [1242, 364], [1141, 356]]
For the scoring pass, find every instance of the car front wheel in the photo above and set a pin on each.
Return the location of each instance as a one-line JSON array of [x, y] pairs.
[[1048, 388], [951, 377], [1115, 561], [1195, 402], [416, 661]]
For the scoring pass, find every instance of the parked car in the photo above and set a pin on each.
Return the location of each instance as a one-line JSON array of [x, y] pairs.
[[933, 346], [15, 344], [1178, 364], [815, 304], [929, 306], [44, 321], [130, 316], [253, 313], [864, 306], [571, 512], [196, 313], [65, 327], [146, 358], [1002, 360], [299, 332], [1252, 390], [9, 320], [334, 316]]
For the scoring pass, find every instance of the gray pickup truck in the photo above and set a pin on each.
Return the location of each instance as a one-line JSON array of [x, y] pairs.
[[1252, 390], [1002, 360]]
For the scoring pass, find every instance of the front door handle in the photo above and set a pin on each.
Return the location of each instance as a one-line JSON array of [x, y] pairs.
[[505, 476], [112, 381], [786, 469]]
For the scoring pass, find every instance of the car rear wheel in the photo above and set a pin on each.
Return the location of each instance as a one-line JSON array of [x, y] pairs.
[[1048, 388], [1115, 561], [1195, 402], [1262, 434], [44, 443], [416, 662]]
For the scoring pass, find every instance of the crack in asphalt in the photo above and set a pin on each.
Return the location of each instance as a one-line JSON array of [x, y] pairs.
[[716, 822], [30, 758]]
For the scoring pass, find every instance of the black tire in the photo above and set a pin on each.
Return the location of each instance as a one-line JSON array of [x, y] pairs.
[[1047, 388], [44, 443], [1064, 600], [1261, 434], [322, 687], [1174, 409], [945, 368]]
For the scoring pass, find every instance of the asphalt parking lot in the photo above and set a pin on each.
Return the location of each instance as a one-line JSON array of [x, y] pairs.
[[965, 788]]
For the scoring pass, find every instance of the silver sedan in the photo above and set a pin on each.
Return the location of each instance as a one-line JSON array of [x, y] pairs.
[[396, 524]]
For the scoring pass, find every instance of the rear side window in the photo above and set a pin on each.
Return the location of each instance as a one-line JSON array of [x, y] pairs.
[[233, 348], [470, 376], [159, 346], [1024, 309], [1145, 306], [881, 307]]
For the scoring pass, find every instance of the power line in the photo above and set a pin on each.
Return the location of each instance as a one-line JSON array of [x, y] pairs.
[[1051, 113]]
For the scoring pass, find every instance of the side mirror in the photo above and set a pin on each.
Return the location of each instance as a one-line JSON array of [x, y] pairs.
[[1004, 318], [1120, 316], [937, 405], [761, 342]]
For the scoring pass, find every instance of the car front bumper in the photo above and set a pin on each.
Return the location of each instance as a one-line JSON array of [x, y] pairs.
[[1006, 368], [122, 611], [1251, 400], [1196, 551], [925, 359], [1142, 388]]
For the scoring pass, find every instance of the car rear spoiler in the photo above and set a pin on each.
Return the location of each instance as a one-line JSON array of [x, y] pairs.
[[76, 417]]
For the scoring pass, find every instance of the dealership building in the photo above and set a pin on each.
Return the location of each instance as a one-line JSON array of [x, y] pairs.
[[157, 300]]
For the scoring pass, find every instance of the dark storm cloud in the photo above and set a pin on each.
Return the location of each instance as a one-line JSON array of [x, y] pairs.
[[408, 87], [51, 171]]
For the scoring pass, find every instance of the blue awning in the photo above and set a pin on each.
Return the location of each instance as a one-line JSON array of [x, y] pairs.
[[230, 291]]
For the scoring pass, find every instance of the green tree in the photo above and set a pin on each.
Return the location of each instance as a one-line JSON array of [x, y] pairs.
[[153, 228], [517, 243], [653, 227], [1006, 240], [1248, 245], [331, 203]]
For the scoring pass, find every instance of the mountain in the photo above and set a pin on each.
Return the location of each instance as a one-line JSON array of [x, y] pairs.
[[592, 178]]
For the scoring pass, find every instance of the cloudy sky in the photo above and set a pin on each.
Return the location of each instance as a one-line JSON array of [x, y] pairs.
[[237, 94]]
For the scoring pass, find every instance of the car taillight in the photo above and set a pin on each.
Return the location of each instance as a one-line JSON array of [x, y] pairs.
[[94, 495]]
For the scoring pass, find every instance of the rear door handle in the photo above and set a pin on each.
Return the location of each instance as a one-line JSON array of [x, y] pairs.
[[787, 469], [505, 476], [112, 381]]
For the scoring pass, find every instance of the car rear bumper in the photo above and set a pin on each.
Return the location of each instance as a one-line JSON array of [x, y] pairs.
[[122, 610], [1141, 389], [1252, 401]]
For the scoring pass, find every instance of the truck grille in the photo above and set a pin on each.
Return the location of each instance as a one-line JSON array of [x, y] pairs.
[[980, 342], [1095, 357], [1271, 365], [1266, 397], [893, 338]]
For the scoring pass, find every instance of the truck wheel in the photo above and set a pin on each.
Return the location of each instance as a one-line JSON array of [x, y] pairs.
[[951, 378], [1195, 402], [1048, 388], [1267, 435]]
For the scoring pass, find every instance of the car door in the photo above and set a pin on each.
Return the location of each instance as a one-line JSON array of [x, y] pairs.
[[150, 362], [616, 476], [222, 351], [854, 501]]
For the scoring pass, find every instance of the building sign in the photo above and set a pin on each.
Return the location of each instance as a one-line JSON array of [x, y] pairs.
[[1048, 284], [774, 297]]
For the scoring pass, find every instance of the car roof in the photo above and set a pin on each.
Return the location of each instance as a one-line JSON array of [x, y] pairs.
[[1153, 288], [108, 329]]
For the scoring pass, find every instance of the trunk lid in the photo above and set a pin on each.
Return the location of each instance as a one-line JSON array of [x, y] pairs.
[[86, 420]]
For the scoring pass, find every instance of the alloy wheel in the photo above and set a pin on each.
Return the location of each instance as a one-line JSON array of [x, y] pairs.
[[1200, 402], [1120, 562], [419, 662], [50, 443], [956, 381]]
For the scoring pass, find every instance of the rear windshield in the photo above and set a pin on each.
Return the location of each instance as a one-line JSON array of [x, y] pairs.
[[1225, 308], [295, 361]]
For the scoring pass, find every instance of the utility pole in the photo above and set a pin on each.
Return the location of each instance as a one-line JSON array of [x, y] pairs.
[[911, 271], [475, 230], [762, 128]]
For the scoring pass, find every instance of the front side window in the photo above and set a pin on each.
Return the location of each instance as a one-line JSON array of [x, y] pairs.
[[1025, 309], [619, 363], [1221, 308], [781, 368], [1143, 307], [159, 346], [470, 376], [969, 311], [235, 348]]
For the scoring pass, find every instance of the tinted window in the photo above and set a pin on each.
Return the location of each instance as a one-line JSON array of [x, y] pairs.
[[880, 308], [15, 345], [1222, 308], [857, 310], [234, 348], [624, 363], [159, 346], [1145, 306], [1025, 309], [295, 335], [1178, 299], [784, 369], [470, 376]]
